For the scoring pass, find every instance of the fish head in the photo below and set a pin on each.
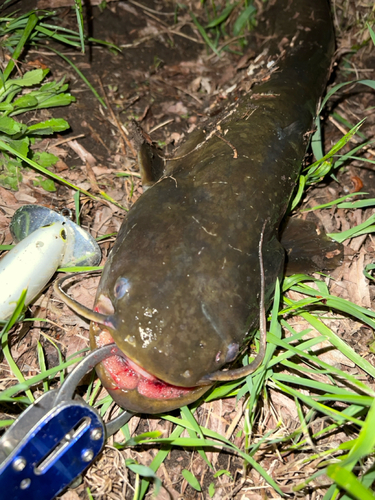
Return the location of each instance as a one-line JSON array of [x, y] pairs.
[[179, 305], [171, 336]]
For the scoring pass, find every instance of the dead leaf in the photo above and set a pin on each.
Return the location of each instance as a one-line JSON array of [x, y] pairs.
[[357, 284], [24, 198], [70, 495], [177, 108], [7, 196]]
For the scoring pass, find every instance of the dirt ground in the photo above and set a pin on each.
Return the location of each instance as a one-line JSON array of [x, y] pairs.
[[167, 80]]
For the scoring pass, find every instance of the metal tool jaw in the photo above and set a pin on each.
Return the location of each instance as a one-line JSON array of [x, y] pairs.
[[55, 439]]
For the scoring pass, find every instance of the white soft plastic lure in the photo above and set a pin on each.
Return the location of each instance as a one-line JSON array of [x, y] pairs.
[[30, 264]]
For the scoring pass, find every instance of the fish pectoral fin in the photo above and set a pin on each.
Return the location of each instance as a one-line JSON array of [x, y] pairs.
[[308, 249], [151, 165]]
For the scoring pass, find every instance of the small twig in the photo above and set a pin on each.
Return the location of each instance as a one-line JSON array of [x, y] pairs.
[[97, 137], [150, 14], [234, 422], [174, 31], [342, 129], [235, 152], [160, 125], [190, 94], [235, 490], [92, 178], [48, 53], [179, 33], [67, 139], [128, 172], [151, 10], [89, 161]]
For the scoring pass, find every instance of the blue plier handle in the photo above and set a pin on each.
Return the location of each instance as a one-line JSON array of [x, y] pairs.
[[55, 439]]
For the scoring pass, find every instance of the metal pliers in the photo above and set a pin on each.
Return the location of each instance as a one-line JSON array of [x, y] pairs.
[[55, 439]]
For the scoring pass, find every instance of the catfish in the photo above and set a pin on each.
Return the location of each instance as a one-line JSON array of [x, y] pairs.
[[197, 257]]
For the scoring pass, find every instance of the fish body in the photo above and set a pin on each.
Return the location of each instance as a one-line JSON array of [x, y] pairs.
[[181, 288]]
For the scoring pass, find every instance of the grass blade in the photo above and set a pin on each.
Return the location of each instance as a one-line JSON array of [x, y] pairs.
[[45, 171], [42, 364], [31, 23], [203, 34], [349, 482], [5, 343], [79, 13], [191, 479], [81, 75], [364, 228]]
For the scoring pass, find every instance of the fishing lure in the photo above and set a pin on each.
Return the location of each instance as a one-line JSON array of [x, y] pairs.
[[30, 264]]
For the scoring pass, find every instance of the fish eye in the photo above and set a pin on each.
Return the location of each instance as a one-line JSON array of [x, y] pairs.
[[232, 352], [122, 286]]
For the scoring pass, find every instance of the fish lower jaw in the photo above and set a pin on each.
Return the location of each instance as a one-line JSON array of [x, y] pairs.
[[128, 376]]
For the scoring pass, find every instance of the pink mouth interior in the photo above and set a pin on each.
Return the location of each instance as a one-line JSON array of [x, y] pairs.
[[129, 376]]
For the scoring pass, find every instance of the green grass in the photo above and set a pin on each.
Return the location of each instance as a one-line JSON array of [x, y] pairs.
[[326, 385], [294, 353], [226, 24], [31, 93]]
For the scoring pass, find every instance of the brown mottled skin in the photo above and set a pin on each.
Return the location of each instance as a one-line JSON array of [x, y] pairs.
[[189, 245]]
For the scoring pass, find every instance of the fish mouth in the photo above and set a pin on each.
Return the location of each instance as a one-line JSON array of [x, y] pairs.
[[130, 385], [129, 376]]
